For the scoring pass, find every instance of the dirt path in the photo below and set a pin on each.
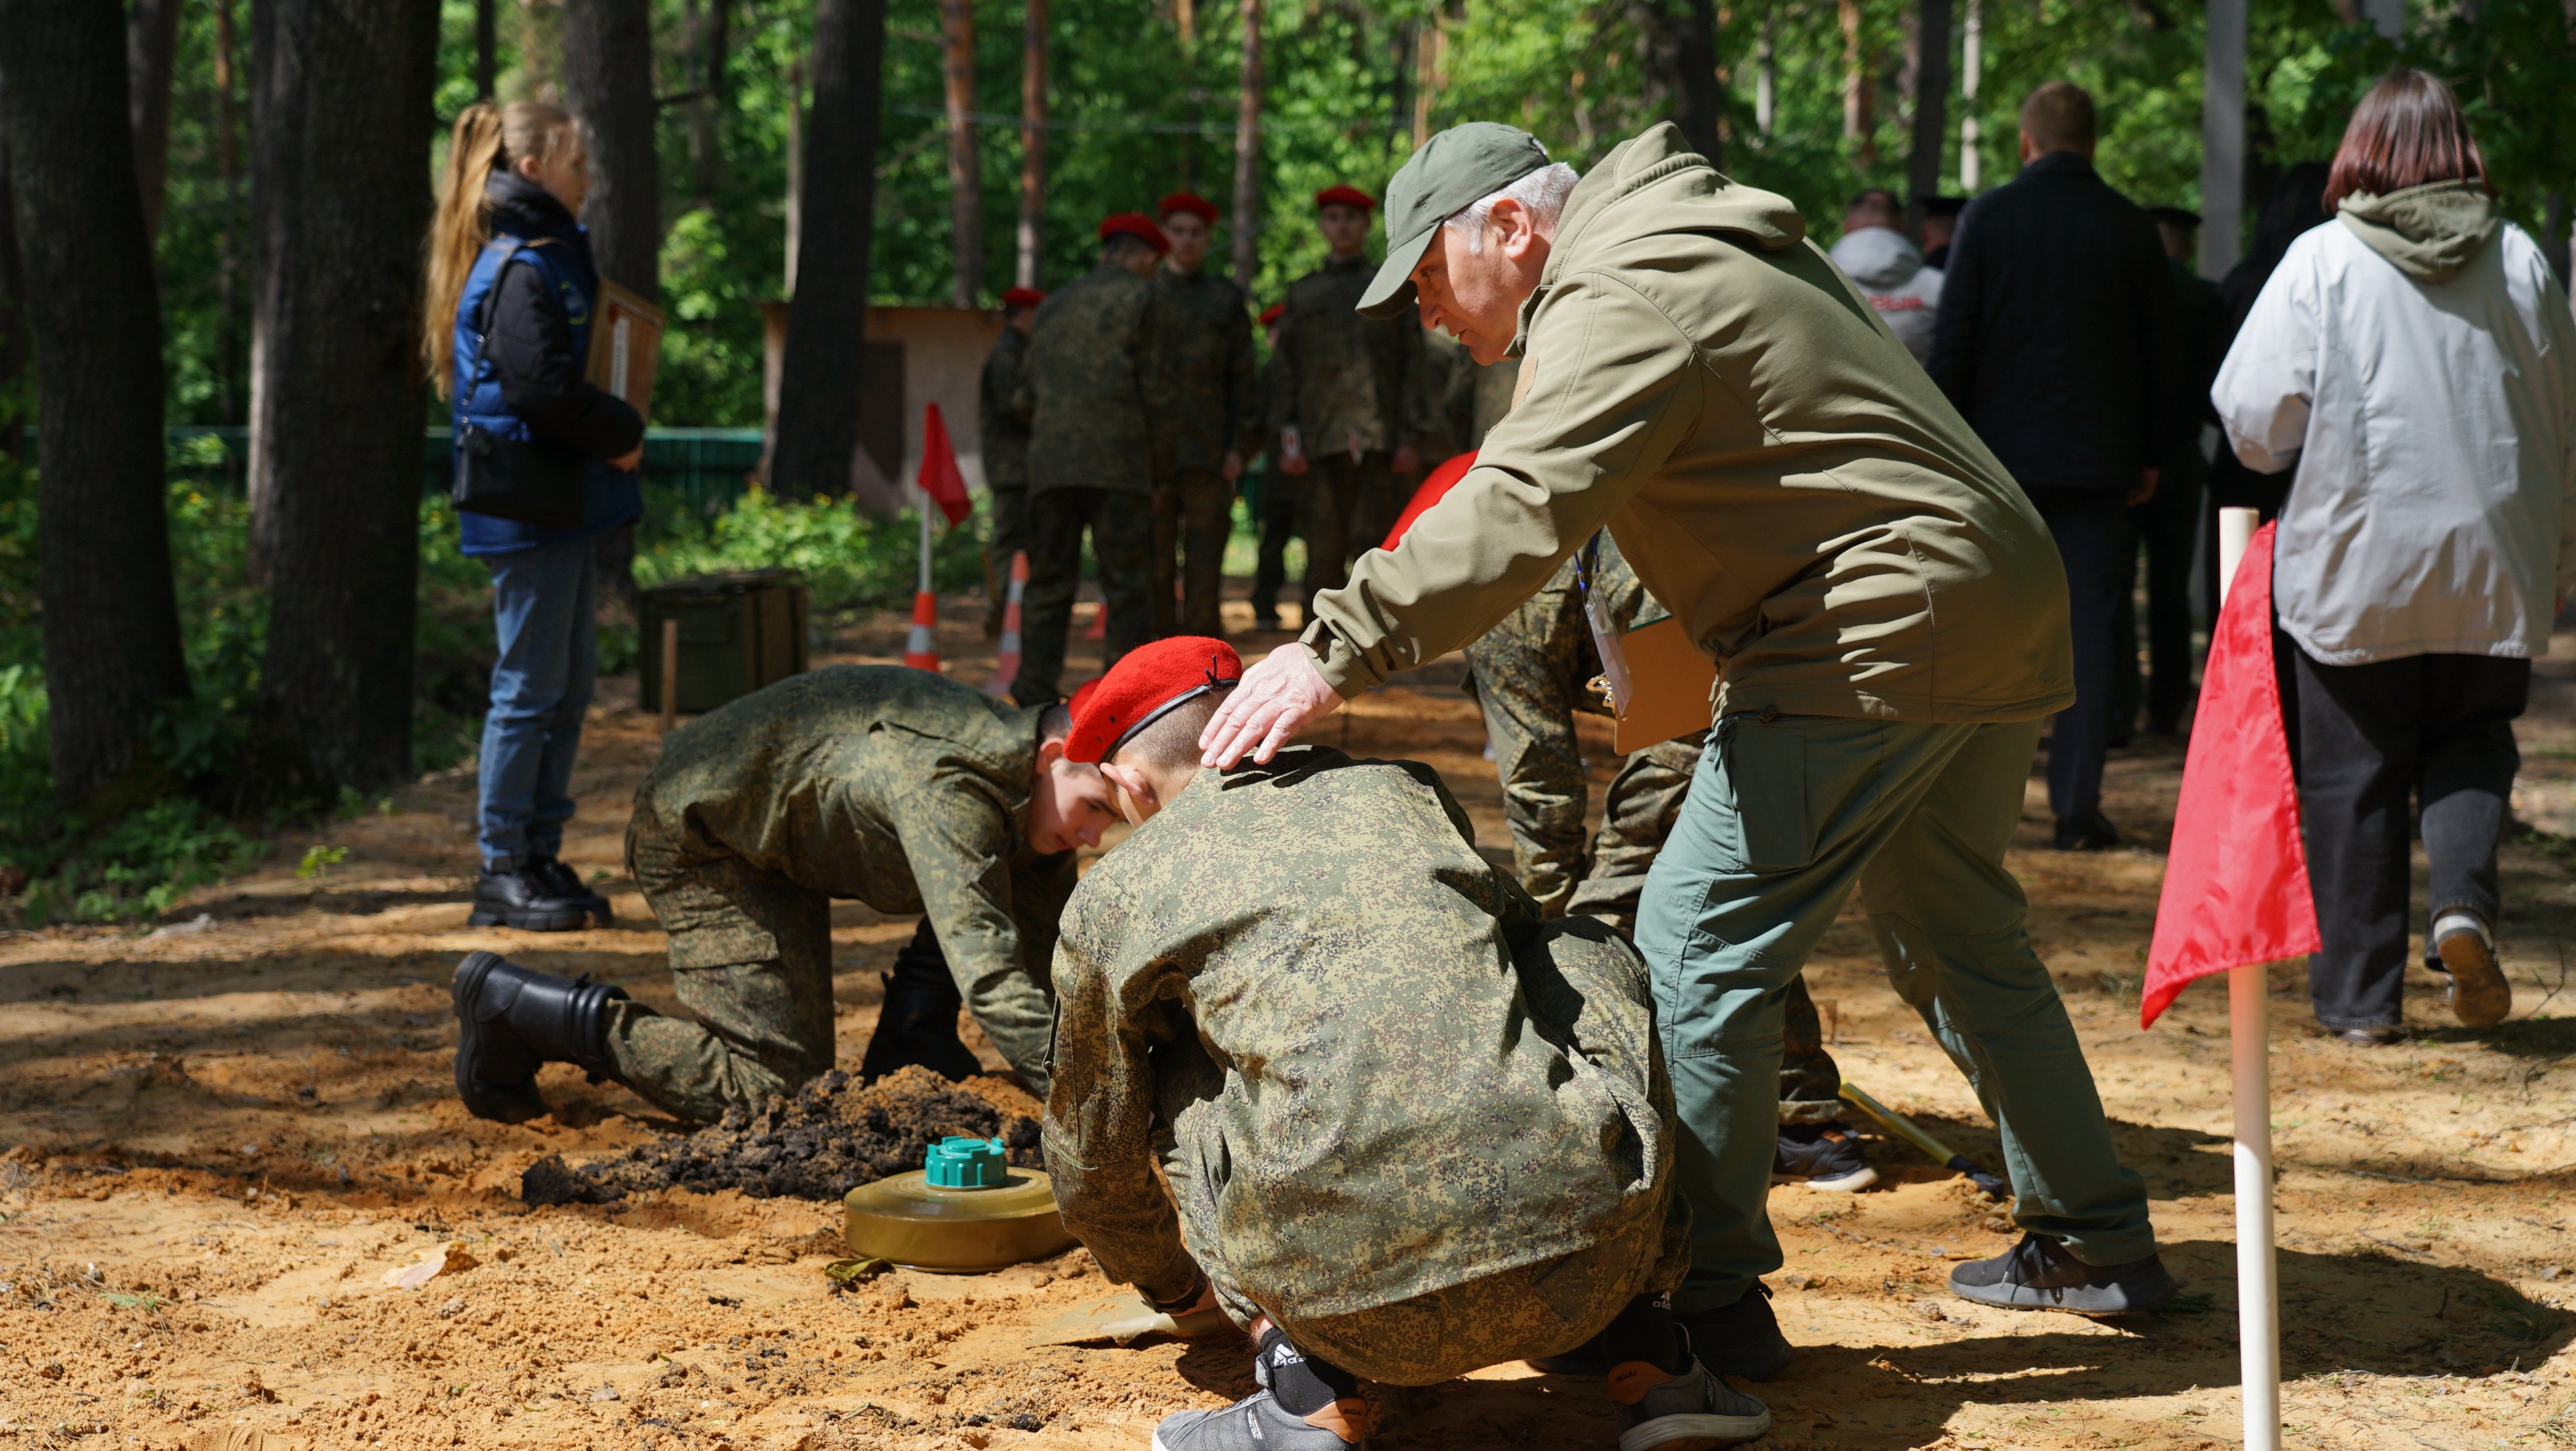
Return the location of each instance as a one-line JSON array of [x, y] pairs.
[[227, 1131]]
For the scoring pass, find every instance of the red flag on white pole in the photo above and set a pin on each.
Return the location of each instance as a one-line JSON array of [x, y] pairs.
[[942, 483]]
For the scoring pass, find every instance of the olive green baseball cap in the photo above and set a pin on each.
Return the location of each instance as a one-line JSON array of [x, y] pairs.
[[1451, 171]]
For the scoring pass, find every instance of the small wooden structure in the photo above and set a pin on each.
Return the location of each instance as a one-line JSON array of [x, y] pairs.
[[915, 356]]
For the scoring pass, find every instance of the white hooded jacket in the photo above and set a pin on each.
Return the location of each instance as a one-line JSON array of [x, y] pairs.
[[2436, 409], [1890, 273]]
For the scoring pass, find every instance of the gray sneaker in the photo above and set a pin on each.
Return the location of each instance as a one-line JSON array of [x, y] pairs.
[[1660, 1411], [1259, 1423], [2040, 1274]]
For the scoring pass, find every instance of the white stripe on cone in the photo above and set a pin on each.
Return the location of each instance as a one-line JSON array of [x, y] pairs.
[[1006, 660]]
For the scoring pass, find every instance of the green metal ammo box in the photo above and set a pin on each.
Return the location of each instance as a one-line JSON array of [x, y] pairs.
[[738, 632]]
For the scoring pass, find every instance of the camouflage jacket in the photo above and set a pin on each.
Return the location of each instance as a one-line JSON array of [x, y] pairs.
[[1216, 389], [895, 787], [1097, 385], [1003, 428], [1409, 1090], [1343, 376]]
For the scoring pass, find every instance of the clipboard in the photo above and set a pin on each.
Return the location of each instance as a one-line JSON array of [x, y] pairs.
[[1659, 684], [625, 347]]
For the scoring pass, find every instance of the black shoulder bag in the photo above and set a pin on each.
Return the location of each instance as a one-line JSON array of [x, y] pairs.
[[529, 481]]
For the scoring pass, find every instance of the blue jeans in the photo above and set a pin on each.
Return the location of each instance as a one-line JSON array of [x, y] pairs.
[[1784, 819], [541, 606]]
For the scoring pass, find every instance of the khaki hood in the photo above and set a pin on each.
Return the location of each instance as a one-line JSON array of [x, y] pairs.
[[2430, 232], [1656, 183]]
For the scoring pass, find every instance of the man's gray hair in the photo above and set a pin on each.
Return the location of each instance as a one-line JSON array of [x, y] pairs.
[[1542, 191]]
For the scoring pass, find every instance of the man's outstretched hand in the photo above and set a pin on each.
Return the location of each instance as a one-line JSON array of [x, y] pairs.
[[1280, 695]]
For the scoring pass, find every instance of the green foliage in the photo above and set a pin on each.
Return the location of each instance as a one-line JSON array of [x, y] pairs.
[[319, 859], [851, 560]]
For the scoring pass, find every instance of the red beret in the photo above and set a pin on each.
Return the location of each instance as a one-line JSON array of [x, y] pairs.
[[1190, 202], [1145, 683], [1345, 196], [1141, 228], [1271, 313], [1435, 487], [1018, 297]]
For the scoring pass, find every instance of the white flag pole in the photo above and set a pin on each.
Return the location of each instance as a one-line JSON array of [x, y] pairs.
[[2258, 1293]]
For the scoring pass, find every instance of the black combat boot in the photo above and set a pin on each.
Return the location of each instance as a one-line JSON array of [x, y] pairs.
[[568, 884], [918, 1023], [522, 896], [510, 1020]]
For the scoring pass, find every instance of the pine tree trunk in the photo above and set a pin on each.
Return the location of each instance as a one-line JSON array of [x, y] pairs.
[[340, 199], [1033, 115], [706, 123], [608, 83], [487, 49], [111, 626], [1247, 153], [818, 389], [1702, 100], [13, 331], [151, 47], [965, 176], [1931, 102]]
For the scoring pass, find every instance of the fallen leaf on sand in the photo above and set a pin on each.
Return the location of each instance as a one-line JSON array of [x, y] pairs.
[[445, 1259], [857, 1271]]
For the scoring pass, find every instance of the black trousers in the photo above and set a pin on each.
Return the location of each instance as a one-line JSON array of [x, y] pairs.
[[918, 1023], [2163, 528], [2091, 527], [2368, 739]]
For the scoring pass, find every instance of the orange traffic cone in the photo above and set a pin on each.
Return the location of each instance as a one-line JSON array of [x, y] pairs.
[[921, 649], [1006, 660]]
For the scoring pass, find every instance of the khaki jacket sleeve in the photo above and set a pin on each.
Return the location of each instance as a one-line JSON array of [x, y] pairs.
[[1615, 388], [960, 843], [1098, 1133]]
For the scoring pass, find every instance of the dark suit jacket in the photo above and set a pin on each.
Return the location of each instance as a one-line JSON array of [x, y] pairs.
[[2058, 334]]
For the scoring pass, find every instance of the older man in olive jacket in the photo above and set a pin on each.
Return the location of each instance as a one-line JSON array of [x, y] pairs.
[[1889, 621]]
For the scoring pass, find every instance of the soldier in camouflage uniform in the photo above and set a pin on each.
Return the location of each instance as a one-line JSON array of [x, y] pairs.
[[894, 787], [1531, 674], [1410, 1129], [1005, 430], [1274, 495], [1348, 420], [1095, 388], [1215, 417]]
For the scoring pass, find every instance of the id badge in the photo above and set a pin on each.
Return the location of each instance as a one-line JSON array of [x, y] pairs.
[[1614, 655]]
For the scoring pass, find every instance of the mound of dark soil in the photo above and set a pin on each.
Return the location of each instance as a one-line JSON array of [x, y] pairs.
[[828, 1138]]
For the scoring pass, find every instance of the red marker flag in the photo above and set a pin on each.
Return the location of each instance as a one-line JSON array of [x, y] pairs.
[[2236, 880], [940, 477]]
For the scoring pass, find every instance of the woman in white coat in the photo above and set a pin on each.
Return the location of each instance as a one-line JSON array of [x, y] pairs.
[[2418, 362]]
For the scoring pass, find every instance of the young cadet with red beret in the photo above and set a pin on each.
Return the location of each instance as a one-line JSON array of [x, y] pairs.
[[1349, 430], [1005, 430], [1215, 417], [1096, 388], [1410, 1129]]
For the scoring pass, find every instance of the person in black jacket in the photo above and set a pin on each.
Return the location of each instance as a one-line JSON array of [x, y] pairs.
[[2057, 340], [511, 296]]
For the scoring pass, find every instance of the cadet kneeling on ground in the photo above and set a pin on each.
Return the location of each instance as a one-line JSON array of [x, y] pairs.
[[896, 787], [1410, 1128]]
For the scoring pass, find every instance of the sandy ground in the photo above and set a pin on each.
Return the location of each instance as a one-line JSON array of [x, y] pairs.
[[221, 1134]]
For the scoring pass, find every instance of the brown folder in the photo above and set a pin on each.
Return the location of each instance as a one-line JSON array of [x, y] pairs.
[[625, 347], [1672, 681]]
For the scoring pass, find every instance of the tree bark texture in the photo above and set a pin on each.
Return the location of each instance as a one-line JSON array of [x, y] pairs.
[[1701, 101], [13, 329], [487, 49], [714, 42], [818, 388], [1033, 116], [1931, 103], [151, 48], [965, 176], [608, 83], [1247, 153], [111, 618], [340, 199]]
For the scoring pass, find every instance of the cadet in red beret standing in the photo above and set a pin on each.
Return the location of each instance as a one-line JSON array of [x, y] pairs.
[[1215, 416], [1346, 429], [1096, 390], [1004, 429]]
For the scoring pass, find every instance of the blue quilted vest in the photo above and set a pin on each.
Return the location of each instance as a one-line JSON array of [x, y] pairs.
[[611, 497]]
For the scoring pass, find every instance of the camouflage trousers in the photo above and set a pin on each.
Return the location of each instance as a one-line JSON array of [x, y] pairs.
[[1010, 529], [1544, 1308], [1193, 516], [1121, 525], [1348, 506], [751, 960], [1529, 674]]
